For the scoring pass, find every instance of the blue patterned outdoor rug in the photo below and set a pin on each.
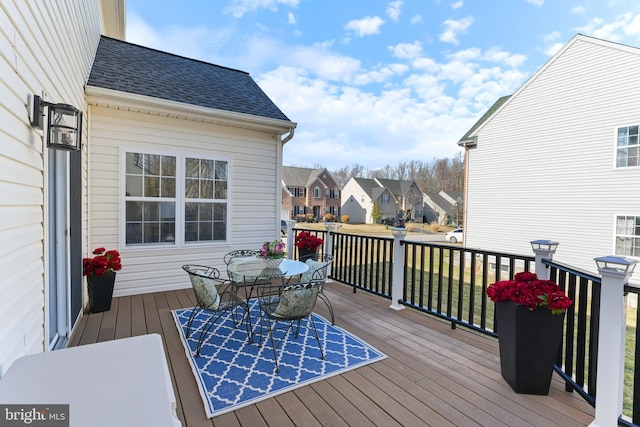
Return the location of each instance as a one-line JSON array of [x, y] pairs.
[[231, 373]]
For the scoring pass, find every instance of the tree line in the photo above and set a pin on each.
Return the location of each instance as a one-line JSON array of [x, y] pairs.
[[437, 175]]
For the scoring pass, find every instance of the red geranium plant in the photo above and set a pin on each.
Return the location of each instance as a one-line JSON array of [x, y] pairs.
[[526, 289], [306, 240], [103, 262]]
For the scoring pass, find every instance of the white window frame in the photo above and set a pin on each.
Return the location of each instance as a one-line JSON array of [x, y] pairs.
[[180, 198], [618, 147], [316, 192], [636, 237], [386, 197]]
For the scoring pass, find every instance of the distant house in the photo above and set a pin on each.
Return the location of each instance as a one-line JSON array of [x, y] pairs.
[[560, 159], [176, 156], [309, 191], [394, 198], [443, 207]]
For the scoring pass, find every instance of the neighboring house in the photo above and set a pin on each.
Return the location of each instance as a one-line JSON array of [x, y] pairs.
[[443, 208], [394, 197], [309, 191], [176, 156], [560, 159]]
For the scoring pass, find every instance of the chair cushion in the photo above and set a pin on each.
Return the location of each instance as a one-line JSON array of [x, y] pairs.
[[206, 292], [308, 275], [296, 301]]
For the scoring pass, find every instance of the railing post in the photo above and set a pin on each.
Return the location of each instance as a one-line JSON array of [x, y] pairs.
[[544, 250], [328, 245], [615, 272], [397, 274], [290, 224]]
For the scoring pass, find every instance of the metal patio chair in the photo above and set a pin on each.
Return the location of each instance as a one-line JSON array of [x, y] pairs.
[[217, 297], [289, 305], [318, 272]]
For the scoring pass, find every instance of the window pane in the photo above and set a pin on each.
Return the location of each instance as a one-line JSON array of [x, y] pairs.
[[621, 157], [168, 166], [206, 212], [168, 231], [206, 189], [192, 168], [633, 130], [133, 211], [206, 169], [150, 211], [151, 187], [134, 163], [191, 232], [134, 233], [191, 211], [221, 190], [134, 186], [152, 164], [168, 187], [151, 232], [219, 231], [206, 231], [220, 212], [221, 170], [191, 189]]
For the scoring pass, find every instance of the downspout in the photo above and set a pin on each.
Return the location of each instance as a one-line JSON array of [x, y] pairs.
[[288, 137]]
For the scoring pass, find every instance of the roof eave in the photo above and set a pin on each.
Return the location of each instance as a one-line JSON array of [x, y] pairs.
[[110, 98]]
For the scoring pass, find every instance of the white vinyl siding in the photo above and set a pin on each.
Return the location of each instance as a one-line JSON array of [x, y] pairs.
[[544, 165], [45, 48], [252, 158]]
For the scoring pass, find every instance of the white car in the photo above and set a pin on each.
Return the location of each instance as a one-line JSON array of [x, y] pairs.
[[454, 236]]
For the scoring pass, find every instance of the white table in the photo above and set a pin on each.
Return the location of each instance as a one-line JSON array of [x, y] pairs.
[[120, 383]]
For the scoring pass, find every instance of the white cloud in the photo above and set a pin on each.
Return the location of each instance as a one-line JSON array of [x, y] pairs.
[[416, 19], [623, 25], [453, 28], [553, 49], [406, 50], [239, 7], [553, 36], [578, 10], [536, 2], [291, 18], [457, 5], [393, 10], [365, 26], [499, 56]]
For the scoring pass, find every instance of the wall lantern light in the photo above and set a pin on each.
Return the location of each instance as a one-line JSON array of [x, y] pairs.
[[64, 124]]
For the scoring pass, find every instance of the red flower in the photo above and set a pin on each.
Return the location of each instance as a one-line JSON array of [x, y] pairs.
[[103, 262], [526, 289], [306, 240]]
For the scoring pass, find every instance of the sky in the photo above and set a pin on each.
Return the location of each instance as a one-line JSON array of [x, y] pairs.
[[373, 82]]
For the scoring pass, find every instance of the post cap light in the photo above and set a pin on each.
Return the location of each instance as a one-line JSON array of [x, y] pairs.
[[546, 246], [616, 264], [64, 124], [399, 231], [332, 226]]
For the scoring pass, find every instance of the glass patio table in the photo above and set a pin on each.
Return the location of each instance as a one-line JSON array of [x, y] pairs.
[[259, 271]]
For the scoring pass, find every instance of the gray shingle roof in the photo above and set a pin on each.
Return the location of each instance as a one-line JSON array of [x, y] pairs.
[[485, 116], [131, 68], [369, 185], [299, 177]]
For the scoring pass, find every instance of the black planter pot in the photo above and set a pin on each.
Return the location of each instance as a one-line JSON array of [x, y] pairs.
[[529, 344], [304, 254], [101, 291]]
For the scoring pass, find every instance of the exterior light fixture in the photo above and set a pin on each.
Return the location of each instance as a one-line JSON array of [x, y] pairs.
[[616, 264], [544, 247], [64, 124]]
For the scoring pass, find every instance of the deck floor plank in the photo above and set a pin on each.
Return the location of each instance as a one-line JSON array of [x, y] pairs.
[[434, 375]]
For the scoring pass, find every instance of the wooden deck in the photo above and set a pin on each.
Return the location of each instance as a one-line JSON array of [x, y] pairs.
[[433, 376]]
